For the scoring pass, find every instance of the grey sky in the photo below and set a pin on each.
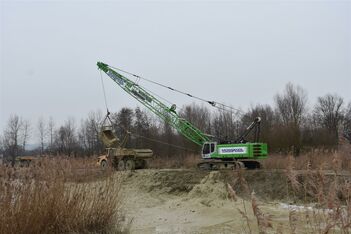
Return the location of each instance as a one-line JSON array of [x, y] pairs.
[[240, 53]]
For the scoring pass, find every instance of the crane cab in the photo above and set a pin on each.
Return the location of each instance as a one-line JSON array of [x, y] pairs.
[[208, 148]]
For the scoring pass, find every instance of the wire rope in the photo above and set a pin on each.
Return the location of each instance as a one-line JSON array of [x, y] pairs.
[[212, 103], [103, 90], [162, 142]]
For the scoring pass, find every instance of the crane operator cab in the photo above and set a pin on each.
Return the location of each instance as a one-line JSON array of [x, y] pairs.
[[208, 148]]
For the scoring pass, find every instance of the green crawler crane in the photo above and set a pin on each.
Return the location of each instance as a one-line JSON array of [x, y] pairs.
[[233, 154]]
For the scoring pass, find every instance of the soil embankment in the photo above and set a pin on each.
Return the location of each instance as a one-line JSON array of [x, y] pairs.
[[188, 201], [194, 201]]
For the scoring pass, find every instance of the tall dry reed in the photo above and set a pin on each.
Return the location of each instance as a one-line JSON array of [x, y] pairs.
[[320, 186], [45, 198]]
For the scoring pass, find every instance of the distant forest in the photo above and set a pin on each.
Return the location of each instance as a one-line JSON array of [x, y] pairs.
[[289, 126]]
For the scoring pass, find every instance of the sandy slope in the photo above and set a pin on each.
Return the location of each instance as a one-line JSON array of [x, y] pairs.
[[181, 201]]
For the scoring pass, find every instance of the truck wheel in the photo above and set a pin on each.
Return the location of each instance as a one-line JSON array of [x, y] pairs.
[[130, 164], [121, 165], [103, 164], [144, 164]]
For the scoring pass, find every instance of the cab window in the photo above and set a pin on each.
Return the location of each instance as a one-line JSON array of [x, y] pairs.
[[212, 147], [206, 149]]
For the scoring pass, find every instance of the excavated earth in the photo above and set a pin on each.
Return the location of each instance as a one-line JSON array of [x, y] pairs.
[[194, 201]]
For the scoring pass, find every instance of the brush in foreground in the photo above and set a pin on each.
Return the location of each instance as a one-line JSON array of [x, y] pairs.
[[39, 199]]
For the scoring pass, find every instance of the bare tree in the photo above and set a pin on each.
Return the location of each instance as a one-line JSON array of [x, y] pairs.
[[12, 137], [291, 105], [65, 138], [347, 122], [291, 108], [123, 121], [328, 112], [198, 115], [89, 133], [41, 133], [1, 144], [50, 132], [26, 133], [224, 125], [141, 127]]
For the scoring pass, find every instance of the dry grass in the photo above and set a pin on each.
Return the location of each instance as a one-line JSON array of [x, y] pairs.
[[323, 188], [316, 159], [331, 212], [263, 220], [46, 198]]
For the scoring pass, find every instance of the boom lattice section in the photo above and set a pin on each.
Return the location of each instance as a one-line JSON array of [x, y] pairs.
[[160, 109]]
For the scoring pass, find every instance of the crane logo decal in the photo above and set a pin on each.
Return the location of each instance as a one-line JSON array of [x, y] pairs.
[[232, 150]]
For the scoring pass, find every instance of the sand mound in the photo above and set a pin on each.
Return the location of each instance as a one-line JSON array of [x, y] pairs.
[[210, 191], [167, 182], [206, 188]]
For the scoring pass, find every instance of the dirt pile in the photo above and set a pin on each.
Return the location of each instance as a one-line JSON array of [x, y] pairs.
[[187, 201], [208, 186], [168, 182], [193, 201], [210, 191]]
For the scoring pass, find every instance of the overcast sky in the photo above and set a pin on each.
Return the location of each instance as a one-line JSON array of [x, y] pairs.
[[239, 53]]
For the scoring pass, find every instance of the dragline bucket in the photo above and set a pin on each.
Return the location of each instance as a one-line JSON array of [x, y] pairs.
[[108, 137]]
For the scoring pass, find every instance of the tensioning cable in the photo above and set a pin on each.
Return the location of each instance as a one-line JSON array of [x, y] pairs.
[[162, 142], [155, 140], [215, 104]]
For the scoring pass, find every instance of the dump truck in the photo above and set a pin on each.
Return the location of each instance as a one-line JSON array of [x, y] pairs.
[[25, 161], [119, 157]]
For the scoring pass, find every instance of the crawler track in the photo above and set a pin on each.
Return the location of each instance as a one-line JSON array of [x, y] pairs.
[[228, 165]]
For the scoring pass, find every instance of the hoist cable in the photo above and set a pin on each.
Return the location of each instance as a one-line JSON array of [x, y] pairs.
[[162, 142], [155, 140], [164, 99], [212, 103], [103, 90]]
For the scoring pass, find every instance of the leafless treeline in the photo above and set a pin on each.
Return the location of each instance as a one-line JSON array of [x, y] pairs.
[[289, 126]]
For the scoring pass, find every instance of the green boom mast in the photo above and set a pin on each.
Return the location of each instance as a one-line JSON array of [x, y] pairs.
[[166, 113]]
